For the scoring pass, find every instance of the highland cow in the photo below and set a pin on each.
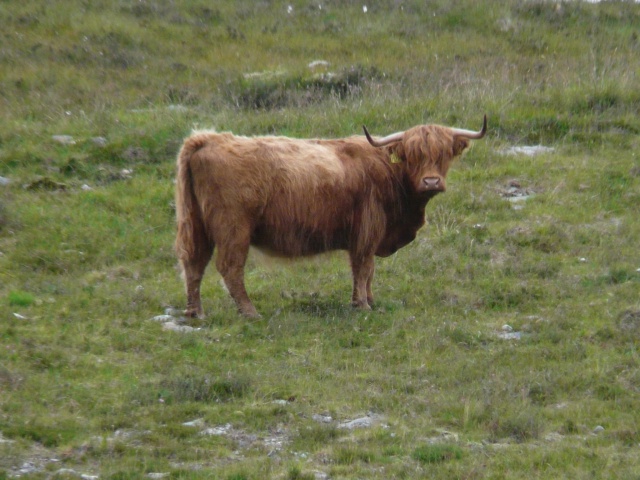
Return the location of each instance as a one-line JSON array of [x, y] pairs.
[[299, 197]]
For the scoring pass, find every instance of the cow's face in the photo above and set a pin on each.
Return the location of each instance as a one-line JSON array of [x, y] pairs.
[[426, 153]]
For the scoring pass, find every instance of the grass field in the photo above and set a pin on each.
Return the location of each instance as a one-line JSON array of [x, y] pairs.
[[504, 341]]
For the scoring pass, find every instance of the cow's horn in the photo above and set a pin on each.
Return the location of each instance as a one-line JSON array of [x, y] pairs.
[[458, 132], [394, 137]]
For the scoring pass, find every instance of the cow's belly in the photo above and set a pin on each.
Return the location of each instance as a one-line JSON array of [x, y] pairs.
[[296, 241]]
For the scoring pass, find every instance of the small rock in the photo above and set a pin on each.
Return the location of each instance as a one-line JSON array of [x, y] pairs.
[[598, 429], [444, 436], [198, 422], [163, 318], [174, 327], [20, 317], [322, 418], [518, 198], [363, 422], [157, 475], [318, 63], [86, 188], [280, 402], [510, 335], [135, 154], [215, 431], [507, 328], [529, 151], [63, 139], [553, 437], [4, 181], [99, 141]]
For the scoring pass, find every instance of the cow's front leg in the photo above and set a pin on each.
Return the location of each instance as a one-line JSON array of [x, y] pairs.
[[362, 268], [230, 262], [369, 292]]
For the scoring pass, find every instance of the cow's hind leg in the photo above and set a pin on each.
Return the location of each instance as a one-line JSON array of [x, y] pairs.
[[194, 251], [193, 267], [232, 256]]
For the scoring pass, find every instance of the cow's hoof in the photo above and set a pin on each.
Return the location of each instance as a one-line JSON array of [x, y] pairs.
[[361, 305], [193, 313], [249, 312]]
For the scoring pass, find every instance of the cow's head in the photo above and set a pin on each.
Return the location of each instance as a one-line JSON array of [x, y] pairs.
[[426, 152]]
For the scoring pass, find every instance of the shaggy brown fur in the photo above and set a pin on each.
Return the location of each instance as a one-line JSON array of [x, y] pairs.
[[292, 198]]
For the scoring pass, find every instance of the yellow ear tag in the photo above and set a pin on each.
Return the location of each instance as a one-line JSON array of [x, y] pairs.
[[395, 158]]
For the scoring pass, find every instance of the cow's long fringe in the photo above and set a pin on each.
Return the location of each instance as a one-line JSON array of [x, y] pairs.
[[187, 209]]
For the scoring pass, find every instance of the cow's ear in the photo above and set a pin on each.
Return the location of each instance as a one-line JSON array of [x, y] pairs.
[[396, 153], [460, 144]]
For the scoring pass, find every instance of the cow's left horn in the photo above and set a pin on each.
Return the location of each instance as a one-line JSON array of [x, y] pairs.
[[394, 137], [471, 135]]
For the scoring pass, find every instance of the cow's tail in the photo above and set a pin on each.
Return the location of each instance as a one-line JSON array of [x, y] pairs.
[[189, 216]]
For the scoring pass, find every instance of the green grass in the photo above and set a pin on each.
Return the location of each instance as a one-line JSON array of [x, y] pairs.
[[86, 377]]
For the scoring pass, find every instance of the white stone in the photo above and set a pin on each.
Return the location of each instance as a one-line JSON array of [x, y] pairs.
[[322, 418], [174, 327], [363, 422], [198, 422], [64, 139], [215, 431], [510, 335], [318, 63], [528, 150]]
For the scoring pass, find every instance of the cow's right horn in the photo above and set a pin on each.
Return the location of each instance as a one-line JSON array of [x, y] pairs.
[[394, 137]]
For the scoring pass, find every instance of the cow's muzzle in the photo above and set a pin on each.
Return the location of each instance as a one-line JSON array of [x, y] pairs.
[[433, 184]]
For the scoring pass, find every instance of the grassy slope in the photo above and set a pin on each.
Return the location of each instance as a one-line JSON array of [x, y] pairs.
[[89, 380]]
